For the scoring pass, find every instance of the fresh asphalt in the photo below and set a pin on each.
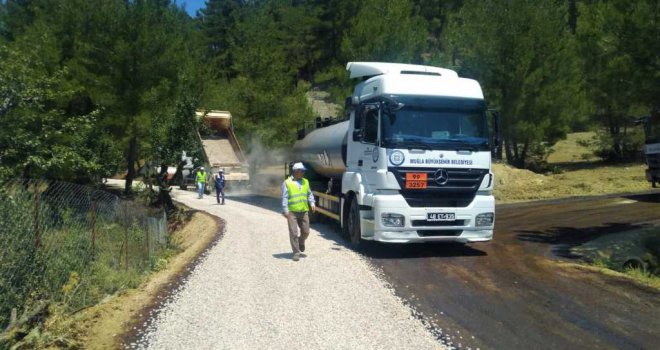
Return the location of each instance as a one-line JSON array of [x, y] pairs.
[[512, 292]]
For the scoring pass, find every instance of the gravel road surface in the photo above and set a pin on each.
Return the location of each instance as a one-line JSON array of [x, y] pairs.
[[248, 293]]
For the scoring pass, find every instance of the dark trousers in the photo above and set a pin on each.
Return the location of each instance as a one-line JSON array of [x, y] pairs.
[[220, 191]]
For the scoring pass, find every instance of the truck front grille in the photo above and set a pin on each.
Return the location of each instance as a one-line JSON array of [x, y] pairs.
[[458, 192]]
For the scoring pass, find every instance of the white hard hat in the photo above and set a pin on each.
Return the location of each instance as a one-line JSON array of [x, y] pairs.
[[201, 168], [221, 171], [298, 166]]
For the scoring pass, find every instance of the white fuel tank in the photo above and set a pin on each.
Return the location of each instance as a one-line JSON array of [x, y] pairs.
[[324, 149]]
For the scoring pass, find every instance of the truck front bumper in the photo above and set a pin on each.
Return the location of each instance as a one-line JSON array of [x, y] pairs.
[[417, 228]]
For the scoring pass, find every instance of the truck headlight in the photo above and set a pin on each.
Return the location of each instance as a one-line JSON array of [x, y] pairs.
[[484, 219], [393, 220]]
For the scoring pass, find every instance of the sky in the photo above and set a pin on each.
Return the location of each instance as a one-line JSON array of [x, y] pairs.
[[191, 5]]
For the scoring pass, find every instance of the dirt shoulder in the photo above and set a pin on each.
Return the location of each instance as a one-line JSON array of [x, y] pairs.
[[105, 325]]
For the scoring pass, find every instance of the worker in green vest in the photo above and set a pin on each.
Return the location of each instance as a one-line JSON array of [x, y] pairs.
[[201, 182], [297, 201]]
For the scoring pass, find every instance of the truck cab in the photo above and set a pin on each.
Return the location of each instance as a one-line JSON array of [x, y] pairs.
[[419, 159]]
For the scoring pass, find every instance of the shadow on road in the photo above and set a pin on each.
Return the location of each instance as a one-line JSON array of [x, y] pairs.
[[565, 238], [646, 197], [284, 256], [287, 256], [378, 250]]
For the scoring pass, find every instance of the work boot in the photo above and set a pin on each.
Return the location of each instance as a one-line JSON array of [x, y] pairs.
[[296, 256], [301, 245]]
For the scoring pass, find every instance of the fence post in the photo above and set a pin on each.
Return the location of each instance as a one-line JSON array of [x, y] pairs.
[[37, 229], [126, 247], [93, 226], [147, 235]]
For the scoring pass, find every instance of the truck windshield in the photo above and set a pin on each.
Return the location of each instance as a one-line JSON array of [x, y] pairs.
[[435, 124]]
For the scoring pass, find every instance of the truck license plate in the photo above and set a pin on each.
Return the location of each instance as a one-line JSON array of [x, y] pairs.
[[416, 180], [440, 216]]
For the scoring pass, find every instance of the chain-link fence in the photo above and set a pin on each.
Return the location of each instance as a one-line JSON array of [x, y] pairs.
[[70, 244]]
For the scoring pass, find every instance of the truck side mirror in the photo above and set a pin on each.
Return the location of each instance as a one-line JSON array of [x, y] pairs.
[[358, 135]]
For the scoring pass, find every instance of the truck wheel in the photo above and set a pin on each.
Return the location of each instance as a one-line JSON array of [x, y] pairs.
[[353, 223]]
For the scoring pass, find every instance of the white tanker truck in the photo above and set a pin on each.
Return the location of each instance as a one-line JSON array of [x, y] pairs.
[[411, 160]]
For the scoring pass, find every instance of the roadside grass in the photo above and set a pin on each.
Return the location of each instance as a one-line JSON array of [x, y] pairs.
[[67, 277], [108, 324], [636, 276], [102, 324], [578, 173], [516, 185], [643, 277]]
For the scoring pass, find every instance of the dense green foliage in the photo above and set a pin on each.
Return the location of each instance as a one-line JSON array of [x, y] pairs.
[[619, 42], [68, 245], [84, 83], [92, 87]]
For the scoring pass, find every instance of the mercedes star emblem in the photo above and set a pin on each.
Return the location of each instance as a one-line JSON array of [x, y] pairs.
[[441, 177]]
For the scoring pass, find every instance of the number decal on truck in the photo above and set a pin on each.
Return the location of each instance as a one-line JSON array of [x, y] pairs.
[[415, 181]]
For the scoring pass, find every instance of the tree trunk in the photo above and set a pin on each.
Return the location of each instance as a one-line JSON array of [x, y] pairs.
[[616, 142], [177, 179], [516, 154], [164, 190], [523, 154], [509, 152], [572, 15], [130, 161]]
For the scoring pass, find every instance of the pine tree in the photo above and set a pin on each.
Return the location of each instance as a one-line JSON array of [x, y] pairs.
[[522, 54], [619, 42]]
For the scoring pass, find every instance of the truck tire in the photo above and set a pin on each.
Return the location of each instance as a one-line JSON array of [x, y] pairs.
[[346, 207], [353, 224]]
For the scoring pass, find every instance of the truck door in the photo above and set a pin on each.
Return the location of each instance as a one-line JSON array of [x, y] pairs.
[[364, 153]]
